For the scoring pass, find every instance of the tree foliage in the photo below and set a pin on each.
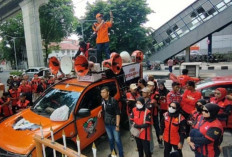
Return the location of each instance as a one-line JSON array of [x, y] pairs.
[[127, 32], [56, 22], [9, 29]]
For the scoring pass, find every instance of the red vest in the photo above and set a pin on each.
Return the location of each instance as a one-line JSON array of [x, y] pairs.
[[25, 88], [138, 119], [5, 109], [130, 97], [222, 104], [171, 131], [34, 85], [163, 104], [86, 50], [15, 95], [209, 149], [23, 104]]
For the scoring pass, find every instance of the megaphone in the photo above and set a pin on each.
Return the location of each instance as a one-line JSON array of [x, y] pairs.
[[82, 65], [126, 58], [54, 65], [114, 63], [137, 56]]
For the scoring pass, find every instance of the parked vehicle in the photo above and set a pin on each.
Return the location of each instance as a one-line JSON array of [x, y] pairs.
[[34, 70], [82, 101], [209, 85]]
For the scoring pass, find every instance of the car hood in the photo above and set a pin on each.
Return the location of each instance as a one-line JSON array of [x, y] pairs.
[[17, 138]]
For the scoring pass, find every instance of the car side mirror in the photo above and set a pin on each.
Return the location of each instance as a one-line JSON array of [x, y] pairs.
[[83, 112]]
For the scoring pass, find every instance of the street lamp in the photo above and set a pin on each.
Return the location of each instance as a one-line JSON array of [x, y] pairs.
[[13, 39], [82, 21]]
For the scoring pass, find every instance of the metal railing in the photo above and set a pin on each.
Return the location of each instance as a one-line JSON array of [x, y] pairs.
[[189, 19]]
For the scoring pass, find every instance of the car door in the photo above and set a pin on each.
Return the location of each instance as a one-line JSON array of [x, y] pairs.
[[91, 127]]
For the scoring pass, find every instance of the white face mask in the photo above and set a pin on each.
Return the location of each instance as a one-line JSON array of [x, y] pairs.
[[171, 110], [139, 106]]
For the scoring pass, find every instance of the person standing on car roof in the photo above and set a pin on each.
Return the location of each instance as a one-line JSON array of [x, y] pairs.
[[111, 115], [224, 104], [101, 29]]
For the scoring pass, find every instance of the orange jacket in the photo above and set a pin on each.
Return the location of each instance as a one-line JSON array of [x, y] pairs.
[[137, 117], [189, 100], [102, 33], [172, 132], [183, 79]]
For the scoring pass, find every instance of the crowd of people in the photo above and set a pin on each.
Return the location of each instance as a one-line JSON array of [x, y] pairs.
[[175, 117], [22, 92]]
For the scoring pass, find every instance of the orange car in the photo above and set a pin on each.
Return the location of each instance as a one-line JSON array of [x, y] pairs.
[[84, 102], [80, 100]]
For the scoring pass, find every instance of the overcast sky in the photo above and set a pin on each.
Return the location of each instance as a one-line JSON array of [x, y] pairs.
[[163, 10]]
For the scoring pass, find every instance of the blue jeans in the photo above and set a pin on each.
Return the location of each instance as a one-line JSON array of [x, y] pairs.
[[100, 48], [114, 135], [170, 69]]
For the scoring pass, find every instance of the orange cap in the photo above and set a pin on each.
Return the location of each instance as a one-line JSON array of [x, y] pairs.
[[98, 15]]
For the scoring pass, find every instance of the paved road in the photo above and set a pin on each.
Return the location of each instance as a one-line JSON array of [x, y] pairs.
[[129, 145]]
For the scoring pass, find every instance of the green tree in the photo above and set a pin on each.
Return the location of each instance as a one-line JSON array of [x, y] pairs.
[[127, 32], [13, 27], [56, 21]]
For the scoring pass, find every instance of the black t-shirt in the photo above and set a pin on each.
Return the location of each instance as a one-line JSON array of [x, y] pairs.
[[110, 106]]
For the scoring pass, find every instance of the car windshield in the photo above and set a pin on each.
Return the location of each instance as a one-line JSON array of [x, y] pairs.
[[54, 99]]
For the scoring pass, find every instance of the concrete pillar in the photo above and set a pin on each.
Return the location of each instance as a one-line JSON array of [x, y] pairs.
[[30, 11], [187, 54]]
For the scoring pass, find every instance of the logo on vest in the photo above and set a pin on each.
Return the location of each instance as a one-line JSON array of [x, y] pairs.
[[216, 132]]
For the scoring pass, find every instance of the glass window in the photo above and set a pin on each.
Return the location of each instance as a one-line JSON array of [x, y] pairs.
[[209, 92], [92, 99], [55, 98]]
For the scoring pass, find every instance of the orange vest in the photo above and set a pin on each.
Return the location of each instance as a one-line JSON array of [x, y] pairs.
[[139, 119], [23, 104], [171, 131], [15, 94]]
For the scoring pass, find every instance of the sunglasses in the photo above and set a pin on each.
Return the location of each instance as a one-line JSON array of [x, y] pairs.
[[172, 107], [206, 111]]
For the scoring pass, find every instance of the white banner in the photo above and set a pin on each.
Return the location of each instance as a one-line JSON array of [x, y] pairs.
[[131, 71]]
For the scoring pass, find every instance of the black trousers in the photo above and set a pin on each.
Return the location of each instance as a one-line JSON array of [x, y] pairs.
[[143, 146], [186, 116], [168, 149], [157, 128]]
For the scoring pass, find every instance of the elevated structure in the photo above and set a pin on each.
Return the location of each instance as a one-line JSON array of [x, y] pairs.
[[199, 20], [30, 11]]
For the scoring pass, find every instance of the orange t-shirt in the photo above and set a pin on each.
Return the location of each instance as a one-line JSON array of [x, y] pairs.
[[102, 33]]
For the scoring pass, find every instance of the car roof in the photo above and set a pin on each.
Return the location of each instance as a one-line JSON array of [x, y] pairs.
[[222, 79]]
